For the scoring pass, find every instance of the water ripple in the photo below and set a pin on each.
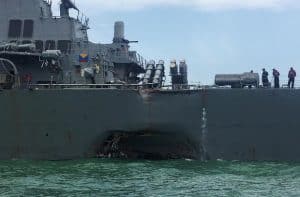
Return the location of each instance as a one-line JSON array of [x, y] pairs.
[[148, 178]]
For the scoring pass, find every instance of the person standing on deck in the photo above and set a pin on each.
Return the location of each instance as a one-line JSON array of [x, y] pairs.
[[276, 75], [292, 76], [265, 80]]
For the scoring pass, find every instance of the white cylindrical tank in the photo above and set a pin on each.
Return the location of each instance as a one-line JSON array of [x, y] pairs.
[[150, 69], [159, 73], [173, 68], [182, 67], [119, 30], [183, 71], [161, 62], [54, 54]]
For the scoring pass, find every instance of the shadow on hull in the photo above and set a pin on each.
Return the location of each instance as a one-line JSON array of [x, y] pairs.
[[148, 144]]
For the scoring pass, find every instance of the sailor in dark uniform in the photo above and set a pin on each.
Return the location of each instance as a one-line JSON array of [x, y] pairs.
[[265, 79], [292, 75], [276, 75]]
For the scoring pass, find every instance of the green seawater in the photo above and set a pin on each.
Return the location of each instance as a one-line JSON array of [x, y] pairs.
[[104, 177]]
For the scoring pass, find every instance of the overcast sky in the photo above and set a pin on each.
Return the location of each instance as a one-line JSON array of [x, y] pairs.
[[199, 4], [214, 36]]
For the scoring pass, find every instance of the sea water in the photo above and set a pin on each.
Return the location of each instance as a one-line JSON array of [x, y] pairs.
[[105, 177]]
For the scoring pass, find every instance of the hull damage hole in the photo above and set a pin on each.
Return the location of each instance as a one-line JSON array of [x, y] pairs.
[[148, 145]]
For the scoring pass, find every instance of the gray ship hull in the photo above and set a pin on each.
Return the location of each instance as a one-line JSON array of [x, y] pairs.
[[258, 124], [68, 124]]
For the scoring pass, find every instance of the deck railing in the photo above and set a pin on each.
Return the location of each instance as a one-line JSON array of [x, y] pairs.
[[148, 86], [92, 86]]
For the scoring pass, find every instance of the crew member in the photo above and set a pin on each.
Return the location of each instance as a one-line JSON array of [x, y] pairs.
[[292, 76], [276, 75], [265, 79]]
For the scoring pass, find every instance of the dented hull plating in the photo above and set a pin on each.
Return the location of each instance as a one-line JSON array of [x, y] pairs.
[[67, 124], [258, 124]]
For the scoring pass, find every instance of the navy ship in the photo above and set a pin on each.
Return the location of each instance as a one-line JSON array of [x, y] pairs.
[[65, 97]]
